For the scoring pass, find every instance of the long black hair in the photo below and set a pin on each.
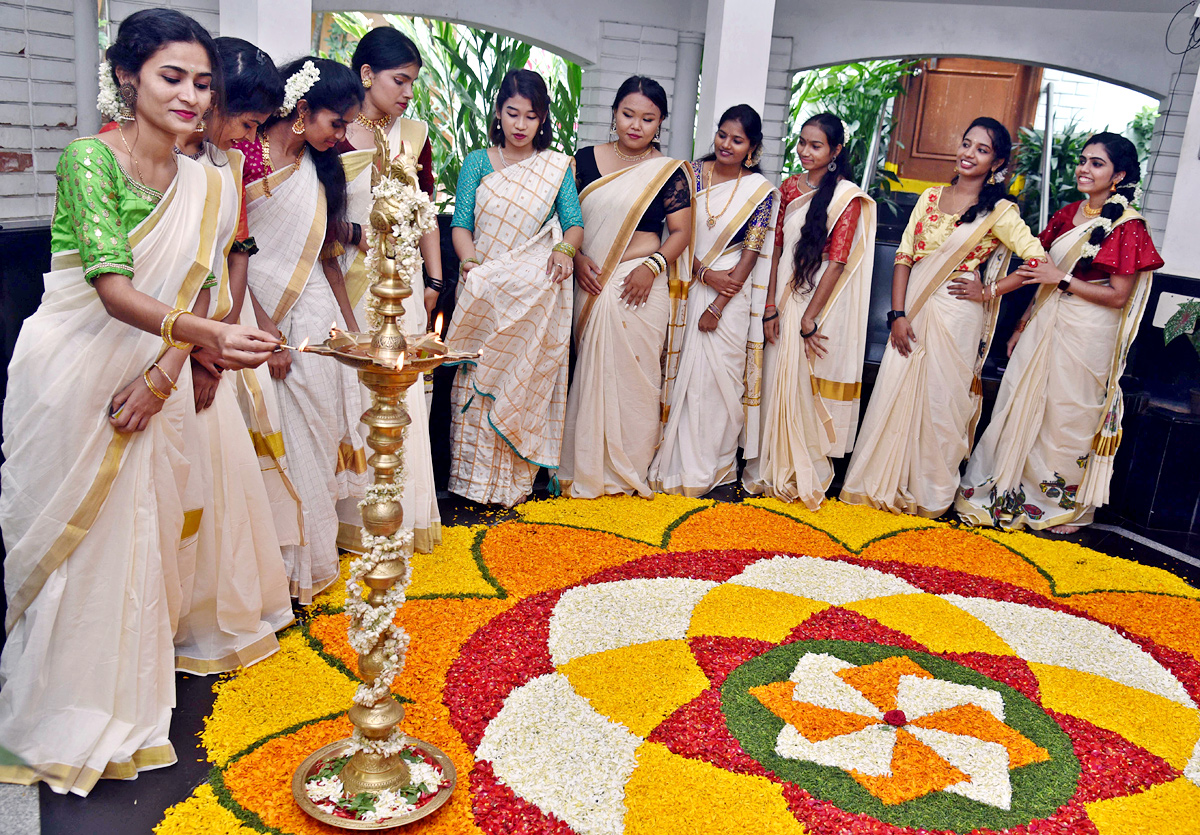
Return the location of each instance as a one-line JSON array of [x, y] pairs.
[[527, 84], [384, 48], [1123, 155], [991, 193], [252, 81], [751, 123], [144, 33], [806, 258], [649, 88], [337, 89]]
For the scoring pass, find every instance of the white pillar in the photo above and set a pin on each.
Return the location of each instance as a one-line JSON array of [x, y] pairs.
[[281, 28], [87, 84], [689, 50], [737, 50]]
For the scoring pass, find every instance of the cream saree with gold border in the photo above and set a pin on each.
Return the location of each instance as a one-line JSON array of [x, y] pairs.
[[420, 495], [508, 406], [1046, 457], [94, 520], [718, 386], [615, 404], [319, 400], [812, 405]]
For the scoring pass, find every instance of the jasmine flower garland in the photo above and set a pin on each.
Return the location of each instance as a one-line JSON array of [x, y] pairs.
[[297, 85], [108, 102]]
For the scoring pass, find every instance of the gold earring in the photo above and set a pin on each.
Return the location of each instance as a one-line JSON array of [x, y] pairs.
[[298, 125], [992, 179], [128, 95], [367, 82]]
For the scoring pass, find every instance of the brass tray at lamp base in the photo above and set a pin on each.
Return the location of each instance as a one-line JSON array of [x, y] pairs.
[[339, 748]]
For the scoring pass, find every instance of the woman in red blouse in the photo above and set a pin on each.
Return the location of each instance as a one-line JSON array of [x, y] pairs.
[[1045, 460]]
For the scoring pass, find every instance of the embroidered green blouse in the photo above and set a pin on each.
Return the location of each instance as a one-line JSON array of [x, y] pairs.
[[97, 204]]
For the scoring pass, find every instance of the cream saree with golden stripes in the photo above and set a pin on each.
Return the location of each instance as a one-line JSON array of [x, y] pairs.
[[812, 405], [718, 386], [614, 408], [93, 518], [319, 399]]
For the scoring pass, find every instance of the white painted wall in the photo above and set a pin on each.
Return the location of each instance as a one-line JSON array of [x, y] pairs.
[[1093, 104]]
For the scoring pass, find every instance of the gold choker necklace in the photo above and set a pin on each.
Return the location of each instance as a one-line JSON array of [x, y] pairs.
[[627, 157], [382, 123], [1090, 212]]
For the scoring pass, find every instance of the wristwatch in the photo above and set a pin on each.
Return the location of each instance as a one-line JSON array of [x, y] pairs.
[[893, 315], [1065, 285]]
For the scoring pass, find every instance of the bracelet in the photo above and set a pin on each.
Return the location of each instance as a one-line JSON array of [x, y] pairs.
[[768, 307], [770, 317], [565, 247], [355, 234], [652, 265], [804, 335], [150, 385], [167, 327], [434, 284], [463, 263], [714, 310], [700, 273], [163, 371]]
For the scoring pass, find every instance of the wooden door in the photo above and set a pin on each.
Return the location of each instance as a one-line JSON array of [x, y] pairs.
[[944, 98]]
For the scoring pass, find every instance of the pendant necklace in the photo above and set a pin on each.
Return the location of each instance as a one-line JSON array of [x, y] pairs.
[[712, 219]]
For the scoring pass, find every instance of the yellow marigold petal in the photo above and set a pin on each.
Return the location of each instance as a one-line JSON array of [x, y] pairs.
[[854, 525], [732, 611], [1148, 812], [934, 622], [334, 595], [638, 686], [294, 685], [1170, 621], [815, 723], [879, 681], [742, 526], [632, 516], [671, 795], [959, 550], [917, 770], [1077, 569], [201, 814], [451, 569], [526, 559], [972, 720], [1161, 726]]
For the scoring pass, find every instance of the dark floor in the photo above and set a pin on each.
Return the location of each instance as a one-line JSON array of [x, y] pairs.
[[136, 806]]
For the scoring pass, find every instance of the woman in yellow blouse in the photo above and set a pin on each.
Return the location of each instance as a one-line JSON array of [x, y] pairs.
[[922, 414]]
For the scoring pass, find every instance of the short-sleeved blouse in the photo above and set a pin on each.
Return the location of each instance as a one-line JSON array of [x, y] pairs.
[[753, 233], [929, 227], [96, 206], [674, 196], [840, 241], [1127, 251], [478, 165]]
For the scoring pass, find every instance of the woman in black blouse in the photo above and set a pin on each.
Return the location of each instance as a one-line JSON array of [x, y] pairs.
[[637, 211]]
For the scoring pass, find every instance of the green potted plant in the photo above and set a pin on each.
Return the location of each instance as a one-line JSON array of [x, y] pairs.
[[1184, 323]]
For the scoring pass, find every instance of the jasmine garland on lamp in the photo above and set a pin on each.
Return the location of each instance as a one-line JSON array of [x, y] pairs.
[[1045, 460], [93, 493]]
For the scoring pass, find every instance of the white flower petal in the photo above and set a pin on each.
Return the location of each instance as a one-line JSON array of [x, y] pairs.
[[868, 751], [918, 697], [1192, 769], [1044, 636], [603, 616], [817, 683], [826, 580], [986, 763], [553, 749]]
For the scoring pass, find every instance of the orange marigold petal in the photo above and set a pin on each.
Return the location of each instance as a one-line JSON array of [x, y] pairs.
[[972, 720], [917, 770], [879, 681], [1170, 621], [815, 723], [746, 527], [959, 550]]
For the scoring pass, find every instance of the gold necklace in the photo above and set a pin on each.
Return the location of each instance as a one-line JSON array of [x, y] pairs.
[[637, 158], [132, 158], [1090, 212], [712, 219], [268, 167], [382, 123]]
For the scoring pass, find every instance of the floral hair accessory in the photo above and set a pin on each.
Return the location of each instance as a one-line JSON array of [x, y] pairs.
[[300, 83], [1090, 250], [108, 102]]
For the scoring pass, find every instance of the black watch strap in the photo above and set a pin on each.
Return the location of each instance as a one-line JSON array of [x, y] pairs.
[[893, 315]]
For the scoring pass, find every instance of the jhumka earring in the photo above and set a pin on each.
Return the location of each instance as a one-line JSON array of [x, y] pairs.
[[991, 181], [752, 158], [128, 95], [298, 125], [200, 126]]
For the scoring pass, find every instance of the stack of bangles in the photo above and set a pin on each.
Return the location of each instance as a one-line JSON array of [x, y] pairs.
[[167, 328], [714, 310], [992, 296], [770, 313], [700, 273], [150, 383], [465, 261], [355, 234], [434, 284], [656, 263], [565, 248]]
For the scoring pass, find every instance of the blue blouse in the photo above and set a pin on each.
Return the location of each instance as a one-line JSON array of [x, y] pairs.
[[478, 165]]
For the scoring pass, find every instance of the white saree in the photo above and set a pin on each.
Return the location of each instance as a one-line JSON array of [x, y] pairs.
[[812, 405], [716, 394], [420, 495], [921, 418], [508, 405], [616, 401], [95, 520], [1046, 457], [319, 400]]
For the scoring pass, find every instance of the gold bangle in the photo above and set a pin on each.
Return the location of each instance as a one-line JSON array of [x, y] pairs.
[[168, 326], [163, 371], [565, 248], [153, 388]]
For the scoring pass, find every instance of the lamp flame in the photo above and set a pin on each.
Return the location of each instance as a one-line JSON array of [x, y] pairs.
[[303, 345], [437, 323]]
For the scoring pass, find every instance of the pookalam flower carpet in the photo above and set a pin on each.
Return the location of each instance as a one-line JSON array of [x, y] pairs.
[[680, 665]]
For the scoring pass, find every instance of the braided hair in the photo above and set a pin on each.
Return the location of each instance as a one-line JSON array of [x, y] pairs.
[[991, 193], [1123, 155], [815, 232]]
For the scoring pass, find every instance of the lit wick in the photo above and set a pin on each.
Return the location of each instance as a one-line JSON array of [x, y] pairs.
[[437, 324]]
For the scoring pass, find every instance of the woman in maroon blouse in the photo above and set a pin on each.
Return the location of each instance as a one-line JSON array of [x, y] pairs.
[[1045, 460]]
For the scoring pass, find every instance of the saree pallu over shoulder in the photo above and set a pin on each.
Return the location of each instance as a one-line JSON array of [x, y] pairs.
[[812, 406], [510, 403], [618, 397], [93, 519], [715, 396], [921, 419], [1046, 457]]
